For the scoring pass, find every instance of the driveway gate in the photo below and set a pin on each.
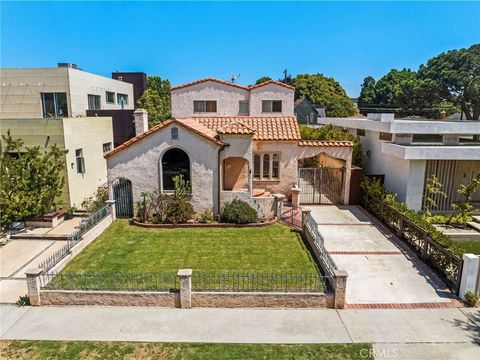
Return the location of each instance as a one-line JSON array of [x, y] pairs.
[[122, 194], [321, 185]]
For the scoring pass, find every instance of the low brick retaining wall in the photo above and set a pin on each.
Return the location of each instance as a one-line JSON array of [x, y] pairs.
[[198, 299], [202, 225]]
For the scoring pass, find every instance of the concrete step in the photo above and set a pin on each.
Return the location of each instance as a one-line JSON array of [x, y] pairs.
[[474, 225], [476, 218]]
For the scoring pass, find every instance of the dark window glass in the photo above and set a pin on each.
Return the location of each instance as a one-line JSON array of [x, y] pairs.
[[360, 132], [110, 97], [277, 106], [205, 106], [256, 166], [80, 161], [243, 107], [427, 138], [122, 99], [174, 133], [275, 166], [269, 106], [174, 162], [385, 136], [94, 102], [107, 147], [54, 105], [211, 106], [266, 166]]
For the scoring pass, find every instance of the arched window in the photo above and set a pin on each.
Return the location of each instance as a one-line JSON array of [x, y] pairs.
[[174, 162]]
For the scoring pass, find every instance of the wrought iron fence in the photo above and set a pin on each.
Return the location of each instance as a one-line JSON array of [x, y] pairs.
[[245, 282], [110, 281], [291, 215], [446, 263], [311, 226], [75, 237]]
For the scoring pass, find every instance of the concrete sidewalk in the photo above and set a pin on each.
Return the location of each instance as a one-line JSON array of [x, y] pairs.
[[410, 334]]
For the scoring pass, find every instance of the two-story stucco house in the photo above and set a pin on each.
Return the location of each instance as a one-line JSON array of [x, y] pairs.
[[230, 141]]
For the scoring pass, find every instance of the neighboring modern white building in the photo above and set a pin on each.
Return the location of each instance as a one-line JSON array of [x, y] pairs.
[[61, 92], [407, 152]]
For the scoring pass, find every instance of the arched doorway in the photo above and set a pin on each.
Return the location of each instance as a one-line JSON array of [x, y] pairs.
[[122, 194], [174, 162]]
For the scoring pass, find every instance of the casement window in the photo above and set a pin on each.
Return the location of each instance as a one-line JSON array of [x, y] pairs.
[[94, 102], [107, 147], [243, 107], [360, 132], [122, 99], [385, 136], [54, 105], [201, 106], [80, 160], [110, 97], [266, 166], [272, 106]]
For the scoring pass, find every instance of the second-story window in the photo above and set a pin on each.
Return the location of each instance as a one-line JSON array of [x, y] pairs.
[[243, 107], [272, 106], [110, 97], [201, 106], [122, 99], [80, 160], [54, 105], [94, 102]]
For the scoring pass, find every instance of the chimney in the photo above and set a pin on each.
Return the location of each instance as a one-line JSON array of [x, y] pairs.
[[141, 121]]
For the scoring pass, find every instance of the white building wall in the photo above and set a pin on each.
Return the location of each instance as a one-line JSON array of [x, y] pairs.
[[227, 98], [272, 92], [141, 165]]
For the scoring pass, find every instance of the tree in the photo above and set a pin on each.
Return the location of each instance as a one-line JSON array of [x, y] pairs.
[[433, 190], [30, 180], [156, 100], [455, 77], [319, 89], [262, 79], [368, 94], [329, 132], [398, 88], [462, 212]]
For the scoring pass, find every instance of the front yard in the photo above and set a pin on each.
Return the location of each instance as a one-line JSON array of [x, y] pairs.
[[126, 248]]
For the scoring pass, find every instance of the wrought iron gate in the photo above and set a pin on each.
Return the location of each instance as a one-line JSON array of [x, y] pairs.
[[321, 185], [122, 194]]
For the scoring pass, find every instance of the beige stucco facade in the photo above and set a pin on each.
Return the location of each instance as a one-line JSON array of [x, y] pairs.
[[21, 89], [65, 133]]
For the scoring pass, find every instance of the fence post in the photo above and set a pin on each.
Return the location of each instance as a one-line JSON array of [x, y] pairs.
[[295, 196], [33, 285], [340, 281], [470, 274], [185, 284], [279, 200], [113, 209], [305, 213]]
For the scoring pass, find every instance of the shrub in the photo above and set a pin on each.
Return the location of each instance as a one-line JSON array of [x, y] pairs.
[[23, 301], [239, 212], [178, 211], [96, 201], [206, 216], [471, 299]]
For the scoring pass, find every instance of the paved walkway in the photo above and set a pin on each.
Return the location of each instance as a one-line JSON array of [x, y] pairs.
[[411, 334], [382, 271]]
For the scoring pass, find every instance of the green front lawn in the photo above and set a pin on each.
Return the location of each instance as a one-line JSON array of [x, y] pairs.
[[37, 350], [126, 248], [469, 247]]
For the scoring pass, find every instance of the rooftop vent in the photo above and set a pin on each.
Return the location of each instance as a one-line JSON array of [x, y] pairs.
[[67, 65]]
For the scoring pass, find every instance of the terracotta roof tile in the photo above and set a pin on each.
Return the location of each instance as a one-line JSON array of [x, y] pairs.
[[266, 127], [231, 84], [316, 143], [237, 128], [268, 82]]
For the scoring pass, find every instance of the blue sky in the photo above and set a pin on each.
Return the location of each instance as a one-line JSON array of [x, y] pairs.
[[187, 41]]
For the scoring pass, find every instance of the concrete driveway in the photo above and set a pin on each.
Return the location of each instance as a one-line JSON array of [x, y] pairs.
[[18, 256], [381, 270]]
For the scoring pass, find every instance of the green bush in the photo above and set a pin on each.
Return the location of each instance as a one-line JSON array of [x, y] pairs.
[[239, 212], [178, 211], [471, 299], [206, 216], [23, 301]]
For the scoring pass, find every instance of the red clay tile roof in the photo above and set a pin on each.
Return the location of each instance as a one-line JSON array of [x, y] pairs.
[[236, 128], [325, 143], [231, 84], [271, 82], [187, 123], [266, 127]]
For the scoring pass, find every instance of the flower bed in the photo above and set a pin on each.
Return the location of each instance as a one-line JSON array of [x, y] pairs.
[[201, 225]]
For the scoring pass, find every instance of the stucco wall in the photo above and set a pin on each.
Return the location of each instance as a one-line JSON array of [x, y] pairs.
[[20, 97], [94, 133], [227, 98], [272, 92], [141, 165]]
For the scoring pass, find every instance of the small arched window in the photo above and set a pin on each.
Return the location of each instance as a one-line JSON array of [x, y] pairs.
[[174, 133]]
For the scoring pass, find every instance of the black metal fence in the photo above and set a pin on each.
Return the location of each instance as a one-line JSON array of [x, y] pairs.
[[321, 185], [241, 282], [76, 236], [291, 215], [447, 264], [110, 281], [244, 282]]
